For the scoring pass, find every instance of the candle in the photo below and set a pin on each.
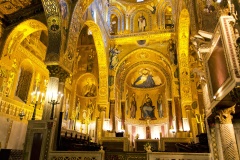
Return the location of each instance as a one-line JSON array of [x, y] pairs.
[[42, 97], [32, 96], [38, 93]]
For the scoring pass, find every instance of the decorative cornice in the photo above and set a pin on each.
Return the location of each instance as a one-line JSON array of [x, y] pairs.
[[224, 115], [183, 59]]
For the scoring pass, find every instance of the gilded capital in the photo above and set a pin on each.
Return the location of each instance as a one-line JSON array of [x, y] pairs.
[[63, 76], [224, 115], [101, 107], [57, 71]]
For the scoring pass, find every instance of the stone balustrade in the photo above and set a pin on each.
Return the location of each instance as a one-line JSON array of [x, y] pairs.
[[73, 155], [11, 108], [177, 156]]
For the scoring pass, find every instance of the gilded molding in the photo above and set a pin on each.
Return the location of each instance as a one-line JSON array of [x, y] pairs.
[[135, 37], [224, 115], [183, 59]]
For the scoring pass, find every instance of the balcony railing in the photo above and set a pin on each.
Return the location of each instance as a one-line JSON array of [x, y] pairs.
[[11, 108]]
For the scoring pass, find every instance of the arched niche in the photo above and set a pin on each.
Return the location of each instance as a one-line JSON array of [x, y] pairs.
[[143, 57], [86, 96], [113, 24], [161, 8], [24, 80], [128, 70], [85, 37], [115, 13], [141, 21], [145, 80], [168, 18]]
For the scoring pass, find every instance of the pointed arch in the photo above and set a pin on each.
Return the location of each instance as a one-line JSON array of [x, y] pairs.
[[76, 25], [144, 56], [119, 12], [26, 72], [102, 60], [19, 33]]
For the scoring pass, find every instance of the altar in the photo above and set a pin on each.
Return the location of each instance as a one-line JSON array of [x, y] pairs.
[[139, 144]]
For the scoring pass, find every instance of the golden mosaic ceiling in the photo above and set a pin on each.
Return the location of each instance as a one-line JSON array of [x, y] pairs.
[[134, 1]]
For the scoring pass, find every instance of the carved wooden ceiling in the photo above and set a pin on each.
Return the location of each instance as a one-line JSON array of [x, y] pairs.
[[15, 11]]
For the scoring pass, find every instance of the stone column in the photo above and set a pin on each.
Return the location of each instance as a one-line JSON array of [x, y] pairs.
[[123, 114], [218, 149], [59, 109], [102, 110], [179, 124], [56, 83], [228, 139], [1, 27], [112, 115], [52, 84]]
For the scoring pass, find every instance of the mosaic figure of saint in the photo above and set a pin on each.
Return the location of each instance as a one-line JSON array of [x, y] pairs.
[[90, 89], [145, 80], [133, 107], [159, 106], [141, 23], [113, 54], [147, 108]]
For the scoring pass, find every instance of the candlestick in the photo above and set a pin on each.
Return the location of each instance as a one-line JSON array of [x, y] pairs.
[[56, 99], [35, 101]]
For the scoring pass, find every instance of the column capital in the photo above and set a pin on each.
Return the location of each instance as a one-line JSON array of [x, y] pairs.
[[224, 115], [102, 107], [57, 71]]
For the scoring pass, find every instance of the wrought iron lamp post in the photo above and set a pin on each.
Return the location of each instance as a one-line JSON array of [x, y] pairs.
[[37, 98], [55, 99]]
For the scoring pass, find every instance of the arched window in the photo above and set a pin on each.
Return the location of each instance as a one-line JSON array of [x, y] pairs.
[[168, 18], [24, 82]]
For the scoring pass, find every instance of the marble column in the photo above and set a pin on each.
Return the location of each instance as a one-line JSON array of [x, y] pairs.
[[52, 84], [112, 115], [229, 144], [56, 84], [1, 28], [59, 110], [102, 110], [179, 124]]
